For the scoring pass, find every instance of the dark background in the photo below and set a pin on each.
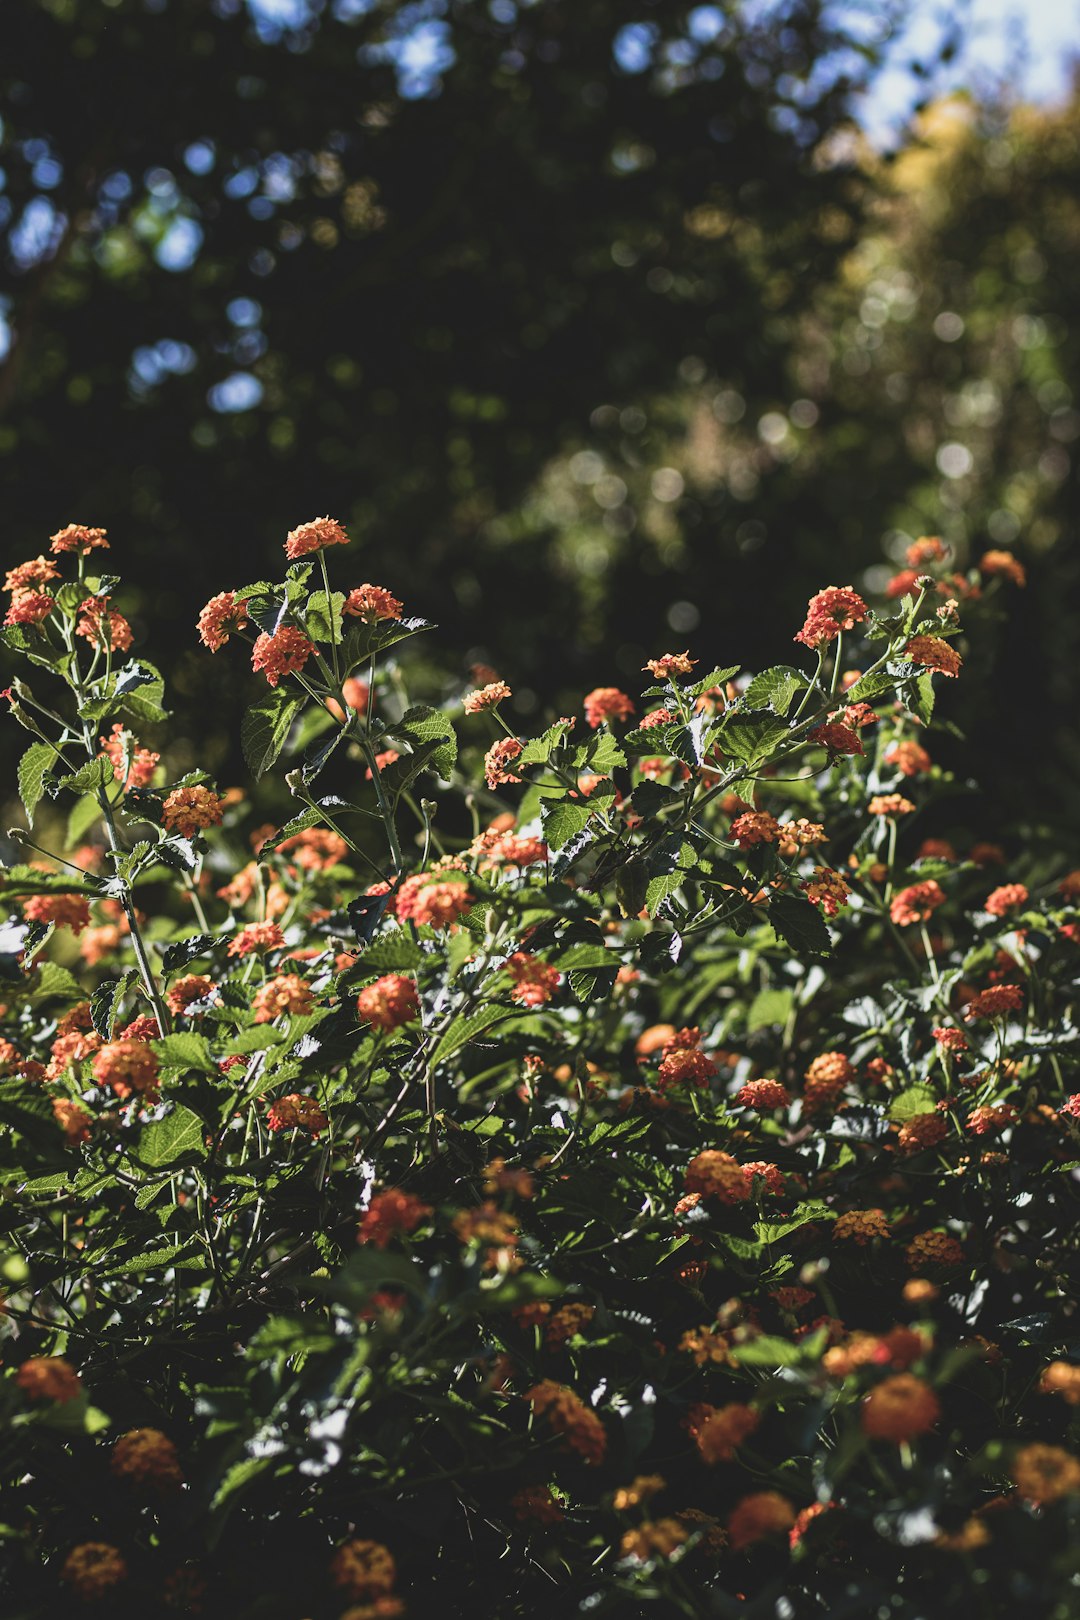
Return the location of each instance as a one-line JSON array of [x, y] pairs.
[[603, 329]]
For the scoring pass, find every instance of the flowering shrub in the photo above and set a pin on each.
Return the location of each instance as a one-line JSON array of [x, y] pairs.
[[628, 1169]]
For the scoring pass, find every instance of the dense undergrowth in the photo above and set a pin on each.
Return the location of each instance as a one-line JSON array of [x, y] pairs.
[[630, 1170]]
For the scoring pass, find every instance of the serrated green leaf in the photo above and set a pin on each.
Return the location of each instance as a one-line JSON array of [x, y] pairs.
[[917, 1099], [429, 734], [265, 728], [775, 689], [800, 924], [34, 766], [394, 953], [185, 1051], [180, 1135], [464, 1030], [91, 777], [564, 819]]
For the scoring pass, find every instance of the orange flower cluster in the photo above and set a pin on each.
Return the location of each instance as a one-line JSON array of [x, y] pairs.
[[724, 1430], [655, 1538], [101, 624], [836, 738], [486, 697], [999, 902], [314, 536], [1003, 562], [1062, 1378], [921, 1131], [189, 810], [365, 1569], [49, 1378], [827, 889], [286, 993], [917, 903], [132, 765], [29, 607], [127, 1067], [297, 1112], [315, 849], [187, 991], [995, 1002], [389, 1003], [257, 936], [755, 827], [889, 804], [389, 1213], [372, 603], [283, 653], [24, 577], [909, 758], [761, 1514], [1043, 1473], [568, 1415], [861, 1226], [535, 981], [670, 664], [147, 1457], [836, 608], [219, 618], [763, 1095], [93, 1569], [936, 1251], [77, 537], [74, 1121], [498, 759], [607, 703], [933, 653], [715, 1174], [63, 910]]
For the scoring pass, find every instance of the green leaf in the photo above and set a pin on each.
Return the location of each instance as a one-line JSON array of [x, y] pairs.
[[321, 622], [715, 677], [265, 728], [769, 1351], [800, 924], [34, 766], [563, 819], [751, 739], [394, 953], [185, 1051], [427, 732], [103, 1003], [180, 1135], [769, 1007], [94, 775], [55, 981], [183, 951], [921, 699], [539, 750], [463, 1030], [154, 1259], [364, 641], [775, 688], [601, 755], [868, 687], [917, 1099], [239, 1476], [84, 813]]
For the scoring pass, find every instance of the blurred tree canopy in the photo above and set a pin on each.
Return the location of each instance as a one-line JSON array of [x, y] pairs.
[[600, 327], [383, 258]]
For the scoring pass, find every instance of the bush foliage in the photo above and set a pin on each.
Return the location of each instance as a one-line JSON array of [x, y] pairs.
[[627, 1170]]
